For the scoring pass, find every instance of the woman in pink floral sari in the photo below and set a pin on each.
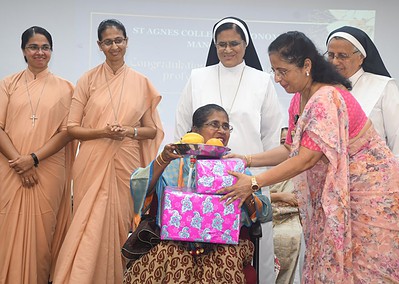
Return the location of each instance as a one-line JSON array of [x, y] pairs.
[[346, 179]]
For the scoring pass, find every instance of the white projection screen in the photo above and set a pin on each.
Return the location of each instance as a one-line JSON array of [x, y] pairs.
[[169, 38]]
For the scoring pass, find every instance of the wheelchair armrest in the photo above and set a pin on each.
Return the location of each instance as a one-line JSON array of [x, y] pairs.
[[255, 231]]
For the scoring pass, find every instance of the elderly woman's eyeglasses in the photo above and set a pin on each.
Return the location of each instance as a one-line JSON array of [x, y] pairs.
[[215, 125], [280, 73], [117, 41], [35, 47], [231, 44], [339, 56]]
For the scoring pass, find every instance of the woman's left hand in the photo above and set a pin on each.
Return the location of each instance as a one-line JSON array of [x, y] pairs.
[[21, 164], [289, 198], [240, 190], [116, 131]]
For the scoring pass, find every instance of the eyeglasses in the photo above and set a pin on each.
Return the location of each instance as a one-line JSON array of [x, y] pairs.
[[110, 42], [339, 56], [215, 125], [35, 47], [280, 73], [231, 44]]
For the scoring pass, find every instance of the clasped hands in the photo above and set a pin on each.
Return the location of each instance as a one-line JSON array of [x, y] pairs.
[[115, 131], [23, 166]]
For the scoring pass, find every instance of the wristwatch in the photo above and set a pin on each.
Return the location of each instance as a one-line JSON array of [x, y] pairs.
[[254, 184]]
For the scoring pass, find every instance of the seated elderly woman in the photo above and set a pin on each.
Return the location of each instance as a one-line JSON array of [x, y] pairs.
[[174, 261]]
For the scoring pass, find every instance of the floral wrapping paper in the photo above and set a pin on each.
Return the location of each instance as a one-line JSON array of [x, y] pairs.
[[211, 175], [197, 217]]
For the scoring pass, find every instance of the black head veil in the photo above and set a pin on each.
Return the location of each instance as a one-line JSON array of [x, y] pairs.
[[372, 62], [251, 57]]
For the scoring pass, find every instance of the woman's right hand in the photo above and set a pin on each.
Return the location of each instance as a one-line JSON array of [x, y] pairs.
[[168, 153], [246, 158], [233, 155], [29, 178]]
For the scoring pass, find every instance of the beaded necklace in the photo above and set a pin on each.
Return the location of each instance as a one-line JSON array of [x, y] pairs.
[[116, 111], [34, 111]]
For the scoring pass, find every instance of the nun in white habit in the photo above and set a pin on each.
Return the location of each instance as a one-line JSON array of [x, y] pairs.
[[234, 80], [357, 59]]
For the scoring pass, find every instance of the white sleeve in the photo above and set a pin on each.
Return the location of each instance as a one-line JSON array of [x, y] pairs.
[[272, 119], [389, 112], [184, 112]]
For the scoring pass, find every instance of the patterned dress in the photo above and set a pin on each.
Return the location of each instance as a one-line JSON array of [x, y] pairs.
[[287, 231], [172, 262], [349, 204]]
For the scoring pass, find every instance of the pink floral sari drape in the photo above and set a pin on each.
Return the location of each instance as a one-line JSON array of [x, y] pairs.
[[348, 204]]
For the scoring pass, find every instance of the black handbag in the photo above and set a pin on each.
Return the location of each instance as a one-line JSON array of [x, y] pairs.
[[143, 239]]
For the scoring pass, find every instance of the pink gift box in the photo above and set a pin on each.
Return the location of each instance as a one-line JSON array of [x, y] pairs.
[[211, 175], [195, 217]]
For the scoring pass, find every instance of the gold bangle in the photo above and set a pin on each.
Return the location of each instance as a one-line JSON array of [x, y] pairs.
[[158, 162], [248, 159], [160, 155]]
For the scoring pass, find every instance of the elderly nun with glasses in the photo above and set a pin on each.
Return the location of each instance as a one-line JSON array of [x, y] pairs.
[[356, 57]]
